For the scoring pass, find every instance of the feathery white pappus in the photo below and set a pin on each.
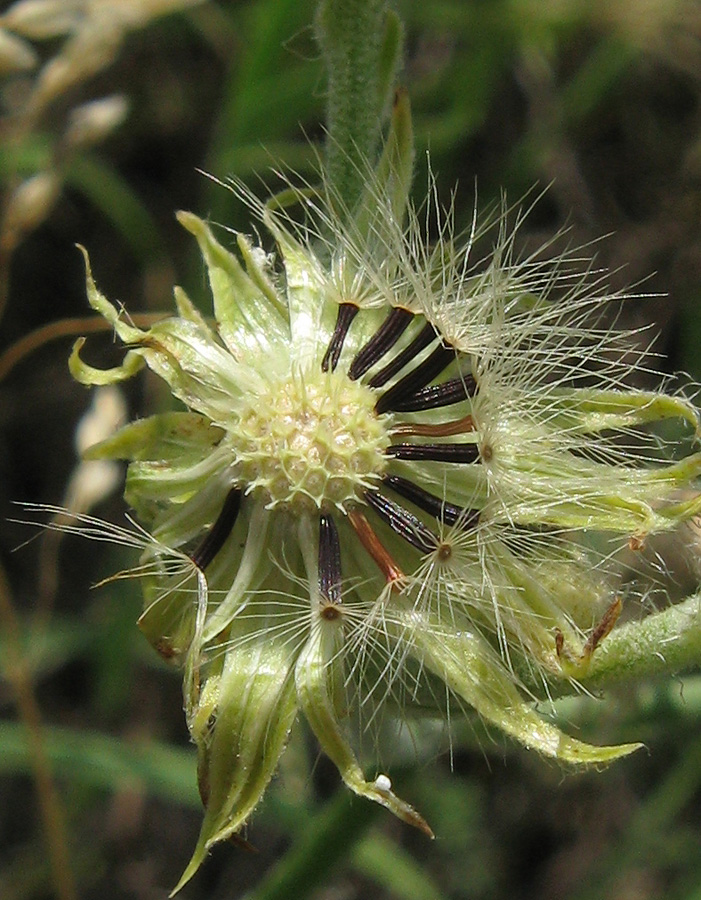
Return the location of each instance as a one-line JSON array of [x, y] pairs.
[[388, 468]]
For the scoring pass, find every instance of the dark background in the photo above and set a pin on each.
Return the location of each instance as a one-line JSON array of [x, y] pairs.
[[603, 100]]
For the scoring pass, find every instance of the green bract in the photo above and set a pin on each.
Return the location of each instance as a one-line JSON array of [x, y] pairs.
[[389, 473]]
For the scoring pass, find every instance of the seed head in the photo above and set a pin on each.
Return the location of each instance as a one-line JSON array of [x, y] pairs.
[[387, 475], [309, 441]]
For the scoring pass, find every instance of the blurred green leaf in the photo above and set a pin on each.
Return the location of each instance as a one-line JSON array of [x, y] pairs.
[[392, 868], [106, 762], [47, 648], [112, 195], [651, 827], [320, 848]]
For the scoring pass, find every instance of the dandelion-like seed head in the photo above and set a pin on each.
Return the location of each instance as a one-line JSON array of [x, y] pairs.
[[387, 473], [309, 441]]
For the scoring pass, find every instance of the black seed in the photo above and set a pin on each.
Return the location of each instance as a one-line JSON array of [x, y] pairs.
[[448, 513], [427, 334], [346, 313], [436, 396], [407, 387], [404, 523], [384, 338], [329, 560], [214, 540], [450, 453]]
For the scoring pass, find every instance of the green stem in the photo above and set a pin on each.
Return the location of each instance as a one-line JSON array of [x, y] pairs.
[[360, 41], [662, 643], [668, 641]]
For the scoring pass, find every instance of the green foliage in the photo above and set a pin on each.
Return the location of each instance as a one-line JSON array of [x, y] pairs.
[[510, 92]]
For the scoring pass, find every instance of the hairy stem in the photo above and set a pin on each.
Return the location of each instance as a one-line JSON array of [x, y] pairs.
[[667, 641], [360, 41]]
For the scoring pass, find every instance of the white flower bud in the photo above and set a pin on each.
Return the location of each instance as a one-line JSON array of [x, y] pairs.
[[106, 414], [16, 55], [43, 19], [91, 49], [94, 479], [28, 206], [137, 13], [91, 122]]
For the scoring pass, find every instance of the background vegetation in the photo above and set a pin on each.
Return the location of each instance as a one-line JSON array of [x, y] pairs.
[[601, 98]]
